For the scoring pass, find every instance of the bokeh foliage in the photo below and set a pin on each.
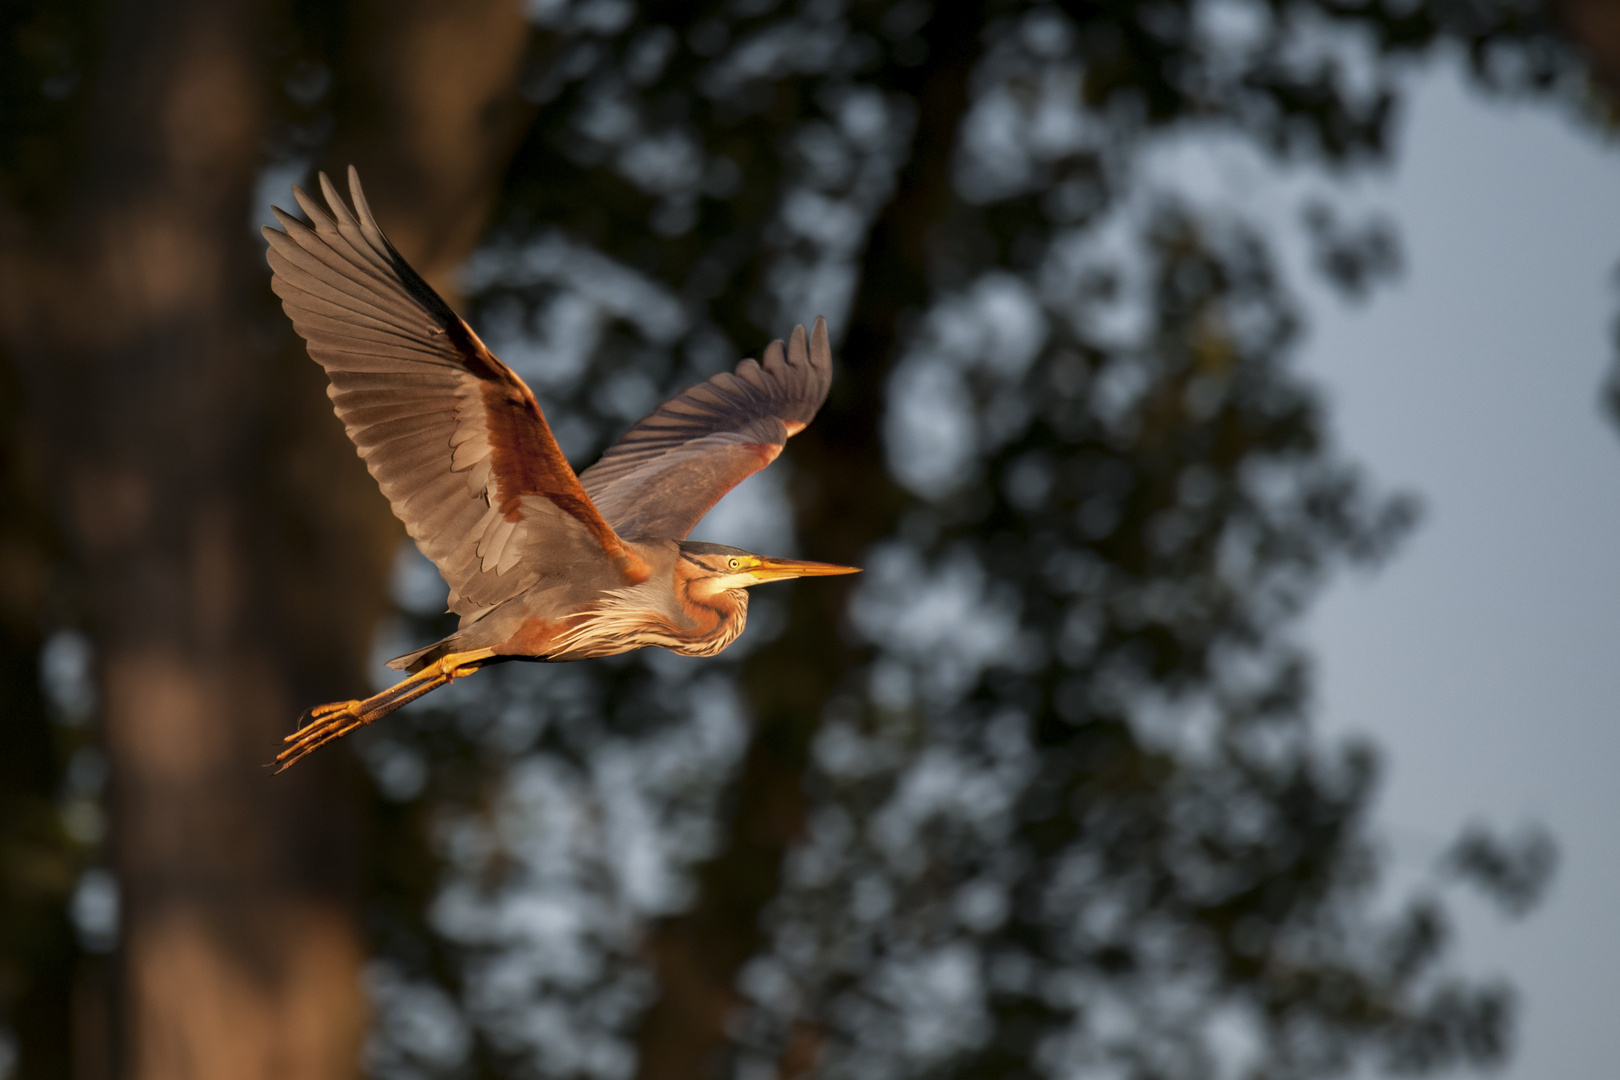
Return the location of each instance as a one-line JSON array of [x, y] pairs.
[[1036, 795], [1045, 798]]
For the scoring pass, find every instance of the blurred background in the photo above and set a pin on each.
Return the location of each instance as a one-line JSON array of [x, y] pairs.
[[1159, 327]]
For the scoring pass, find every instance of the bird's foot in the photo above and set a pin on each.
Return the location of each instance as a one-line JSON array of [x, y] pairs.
[[323, 724]]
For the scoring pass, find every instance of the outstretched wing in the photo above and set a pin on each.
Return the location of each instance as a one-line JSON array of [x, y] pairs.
[[452, 436], [667, 471]]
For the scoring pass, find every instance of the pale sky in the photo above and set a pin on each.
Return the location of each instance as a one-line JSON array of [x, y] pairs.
[[1485, 658]]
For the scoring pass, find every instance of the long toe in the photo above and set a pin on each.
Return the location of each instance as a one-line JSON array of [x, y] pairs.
[[325, 723], [328, 733], [321, 712]]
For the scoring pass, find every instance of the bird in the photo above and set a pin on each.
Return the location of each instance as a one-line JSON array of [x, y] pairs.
[[543, 564]]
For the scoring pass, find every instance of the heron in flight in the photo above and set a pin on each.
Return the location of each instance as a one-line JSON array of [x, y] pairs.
[[542, 564]]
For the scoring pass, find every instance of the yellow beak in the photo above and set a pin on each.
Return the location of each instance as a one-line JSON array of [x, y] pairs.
[[782, 569]]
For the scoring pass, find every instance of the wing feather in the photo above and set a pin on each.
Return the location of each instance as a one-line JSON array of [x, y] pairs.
[[668, 470], [453, 437]]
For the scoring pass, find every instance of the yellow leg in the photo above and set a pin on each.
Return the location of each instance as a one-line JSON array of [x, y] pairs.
[[325, 723]]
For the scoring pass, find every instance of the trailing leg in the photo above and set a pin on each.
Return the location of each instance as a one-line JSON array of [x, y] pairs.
[[324, 723]]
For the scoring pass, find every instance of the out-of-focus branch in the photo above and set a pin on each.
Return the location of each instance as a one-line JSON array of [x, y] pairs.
[[851, 503], [1594, 26], [37, 860]]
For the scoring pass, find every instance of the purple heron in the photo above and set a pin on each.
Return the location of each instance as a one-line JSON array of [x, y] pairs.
[[542, 564]]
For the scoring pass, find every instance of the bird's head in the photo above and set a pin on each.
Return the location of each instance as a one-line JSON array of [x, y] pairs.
[[711, 569]]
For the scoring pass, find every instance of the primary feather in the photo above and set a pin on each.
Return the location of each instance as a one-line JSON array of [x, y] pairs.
[[459, 446], [453, 437]]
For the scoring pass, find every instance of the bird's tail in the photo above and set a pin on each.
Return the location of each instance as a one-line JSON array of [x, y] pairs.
[[421, 658]]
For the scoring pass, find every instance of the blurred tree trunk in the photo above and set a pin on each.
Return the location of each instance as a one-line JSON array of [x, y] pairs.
[[1594, 27], [231, 549], [430, 114], [37, 868], [136, 335], [848, 503]]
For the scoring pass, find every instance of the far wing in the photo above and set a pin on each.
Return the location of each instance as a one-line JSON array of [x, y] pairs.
[[452, 436], [674, 465]]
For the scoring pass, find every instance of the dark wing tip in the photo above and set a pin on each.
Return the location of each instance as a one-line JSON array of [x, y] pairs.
[[814, 353], [817, 359]]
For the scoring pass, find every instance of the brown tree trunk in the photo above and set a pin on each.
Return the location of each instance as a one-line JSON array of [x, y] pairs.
[[431, 116], [1594, 27], [231, 550], [36, 872], [851, 503], [133, 325]]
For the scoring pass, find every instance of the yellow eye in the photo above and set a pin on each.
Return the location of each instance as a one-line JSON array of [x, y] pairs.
[[734, 563]]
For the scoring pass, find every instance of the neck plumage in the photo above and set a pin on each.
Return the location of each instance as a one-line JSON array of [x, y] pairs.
[[714, 621], [700, 626]]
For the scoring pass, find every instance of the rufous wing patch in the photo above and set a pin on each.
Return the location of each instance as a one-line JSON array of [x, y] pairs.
[[526, 461]]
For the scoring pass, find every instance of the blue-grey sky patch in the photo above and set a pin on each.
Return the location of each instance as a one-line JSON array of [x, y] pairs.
[[1482, 658]]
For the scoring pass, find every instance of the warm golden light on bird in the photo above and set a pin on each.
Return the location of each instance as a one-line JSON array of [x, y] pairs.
[[542, 564]]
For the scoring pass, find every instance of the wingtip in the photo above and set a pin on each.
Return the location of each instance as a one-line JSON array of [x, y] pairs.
[[312, 209], [801, 348], [330, 193], [288, 221], [362, 208], [356, 193], [798, 350], [820, 347]]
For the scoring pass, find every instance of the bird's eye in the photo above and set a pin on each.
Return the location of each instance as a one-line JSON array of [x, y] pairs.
[[734, 563]]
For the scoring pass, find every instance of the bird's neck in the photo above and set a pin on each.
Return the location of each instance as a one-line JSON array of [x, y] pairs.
[[708, 622]]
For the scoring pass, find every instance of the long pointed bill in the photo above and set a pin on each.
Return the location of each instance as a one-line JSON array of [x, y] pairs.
[[782, 569]]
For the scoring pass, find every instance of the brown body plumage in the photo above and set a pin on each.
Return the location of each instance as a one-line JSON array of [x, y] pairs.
[[542, 564]]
